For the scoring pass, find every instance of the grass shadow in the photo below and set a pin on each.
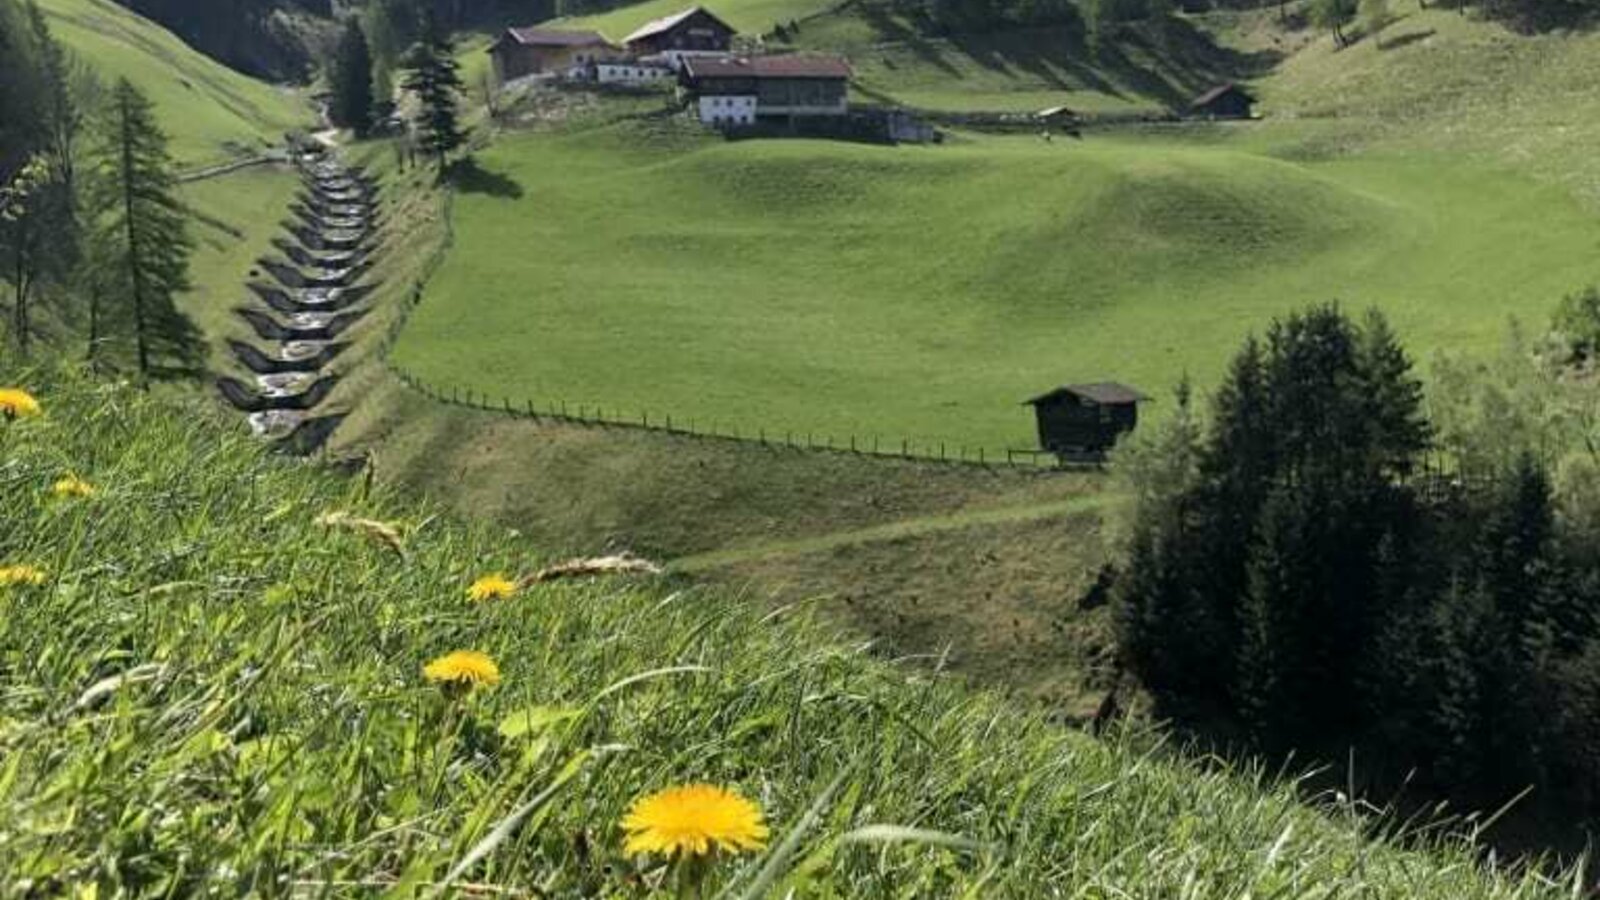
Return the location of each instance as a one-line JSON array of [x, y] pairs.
[[1405, 40], [468, 177], [892, 30]]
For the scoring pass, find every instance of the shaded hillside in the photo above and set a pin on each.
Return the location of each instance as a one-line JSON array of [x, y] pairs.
[[1154, 64], [273, 39]]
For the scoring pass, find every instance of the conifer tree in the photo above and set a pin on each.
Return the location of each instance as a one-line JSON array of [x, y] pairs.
[[58, 109], [141, 244], [24, 213], [432, 76], [351, 80]]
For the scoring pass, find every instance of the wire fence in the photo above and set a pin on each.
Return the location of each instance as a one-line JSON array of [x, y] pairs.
[[699, 429]]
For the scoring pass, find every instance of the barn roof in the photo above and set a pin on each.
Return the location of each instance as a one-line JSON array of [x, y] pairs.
[[1110, 393], [667, 23], [1055, 111], [550, 37], [792, 65], [1221, 89]]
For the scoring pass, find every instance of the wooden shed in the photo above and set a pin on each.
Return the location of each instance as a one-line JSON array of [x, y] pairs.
[[694, 30], [1085, 419], [531, 51], [1225, 101]]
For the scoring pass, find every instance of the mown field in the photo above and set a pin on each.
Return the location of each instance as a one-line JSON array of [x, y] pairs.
[[211, 112], [924, 293], [210, 689]]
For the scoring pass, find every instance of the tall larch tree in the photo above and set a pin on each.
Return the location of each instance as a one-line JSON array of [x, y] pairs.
[[141, 243]]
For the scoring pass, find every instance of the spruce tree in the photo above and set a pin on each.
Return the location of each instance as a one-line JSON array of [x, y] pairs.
[[351, 80], [141, 244], [432, 76]]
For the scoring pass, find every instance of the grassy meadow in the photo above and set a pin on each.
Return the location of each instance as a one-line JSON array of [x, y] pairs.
[[923, 293], [211, 112], [234, 218], [207, 691], [750, 17]]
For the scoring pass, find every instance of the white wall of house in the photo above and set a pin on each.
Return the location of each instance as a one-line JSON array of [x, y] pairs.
[[630, 73], [675, 58], [728, 110], [834, 109]]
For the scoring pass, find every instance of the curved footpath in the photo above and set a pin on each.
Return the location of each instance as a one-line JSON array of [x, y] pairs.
[[314, 295]]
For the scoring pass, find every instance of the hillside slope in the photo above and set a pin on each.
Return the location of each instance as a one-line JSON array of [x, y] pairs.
[[211, 112], [898, 58], [209, 691], [921, 294], [1436, 82]]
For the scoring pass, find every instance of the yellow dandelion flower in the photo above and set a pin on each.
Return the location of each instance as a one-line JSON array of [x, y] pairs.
[[16, 403], [693, 819], [463, 668], [492, 587], [12, 576], [72, 486]]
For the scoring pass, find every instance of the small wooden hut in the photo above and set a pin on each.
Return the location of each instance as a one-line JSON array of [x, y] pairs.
[[1085, 420], [1225, 101]]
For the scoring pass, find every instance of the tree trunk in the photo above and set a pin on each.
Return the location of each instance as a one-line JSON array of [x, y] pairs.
[[135, 268], [94, 329]]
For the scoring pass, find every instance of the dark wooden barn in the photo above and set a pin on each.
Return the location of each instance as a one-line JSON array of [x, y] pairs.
[[531, 51], [1225, 101], [1080, 420], [695, 30]]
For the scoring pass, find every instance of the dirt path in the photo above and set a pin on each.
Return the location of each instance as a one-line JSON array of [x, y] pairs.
[[715, 559]]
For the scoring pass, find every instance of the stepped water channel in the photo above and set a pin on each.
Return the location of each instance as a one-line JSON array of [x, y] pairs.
[[307, 299]]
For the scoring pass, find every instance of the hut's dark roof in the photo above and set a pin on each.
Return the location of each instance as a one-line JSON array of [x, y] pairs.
[[667, 23], [549, 37], [1110, 393], [1211, 96], [792, 65]]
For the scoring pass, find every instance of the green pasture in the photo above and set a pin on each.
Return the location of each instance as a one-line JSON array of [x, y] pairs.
[[211, 112], [923, 293]]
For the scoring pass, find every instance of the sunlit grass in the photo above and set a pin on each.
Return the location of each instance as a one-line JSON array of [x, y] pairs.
[[210, 691]]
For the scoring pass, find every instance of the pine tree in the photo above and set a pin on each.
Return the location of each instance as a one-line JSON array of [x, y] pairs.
[[142, 246], [432, 76], [351, 80]]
